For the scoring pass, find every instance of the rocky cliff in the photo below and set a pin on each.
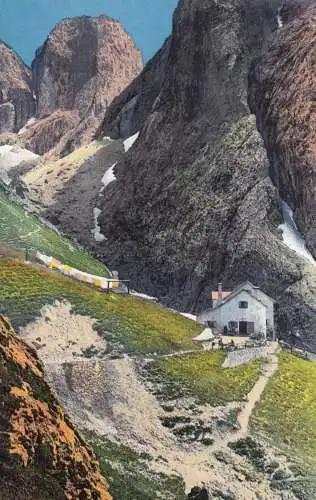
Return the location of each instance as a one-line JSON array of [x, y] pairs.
[[17, 103], [42, 456], [282, 96], [83, 65], [127, 113], [194, 202]]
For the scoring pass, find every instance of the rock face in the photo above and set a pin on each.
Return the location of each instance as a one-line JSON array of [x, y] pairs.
[[129, 110], [50, 133], [282, 96], [194, 203], [293, 9], [83, 65], [17, 103], [42, 454]]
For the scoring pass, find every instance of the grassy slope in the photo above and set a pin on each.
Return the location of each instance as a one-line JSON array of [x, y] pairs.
[[201, 375], [72, 161], [286, 417], [287, 410], [139, 326], [21, 230]]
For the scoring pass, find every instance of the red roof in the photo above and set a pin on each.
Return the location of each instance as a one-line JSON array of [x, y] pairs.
[[215, 295]]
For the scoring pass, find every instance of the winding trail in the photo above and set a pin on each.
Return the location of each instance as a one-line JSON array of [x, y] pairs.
[[268, 370], [254, 396]]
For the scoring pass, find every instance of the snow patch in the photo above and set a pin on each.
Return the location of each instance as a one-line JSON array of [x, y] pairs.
[[28, 124], [13, 156], [292, 238], [189, 316], [279, 18], [108, 177], [98, 236], [143, 296], [128, 143]]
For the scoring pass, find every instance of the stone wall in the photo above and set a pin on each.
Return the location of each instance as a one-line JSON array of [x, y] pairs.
[[237, 358]]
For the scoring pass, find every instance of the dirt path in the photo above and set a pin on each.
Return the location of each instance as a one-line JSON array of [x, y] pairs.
[[268, 370], [254, 396]]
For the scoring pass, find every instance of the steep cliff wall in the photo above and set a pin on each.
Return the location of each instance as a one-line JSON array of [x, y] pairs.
[[82, 66], [282, 95], [127, 113], [42, 456], [183, 208], [17, 104], [84, 63]]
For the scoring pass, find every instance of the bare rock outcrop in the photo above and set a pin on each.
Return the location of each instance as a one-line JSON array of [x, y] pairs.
[[17, 103], [282, 96], [50, 133], [293, 9], [83, 65], [193, 202], [42, 455], [127, 113]]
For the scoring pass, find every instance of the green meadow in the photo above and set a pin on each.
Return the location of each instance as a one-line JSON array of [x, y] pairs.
[[128, 323], [22, 231], [201, 375], [287, 409]]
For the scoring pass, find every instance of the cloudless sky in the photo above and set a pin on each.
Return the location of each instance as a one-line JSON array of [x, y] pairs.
[[25, 24]]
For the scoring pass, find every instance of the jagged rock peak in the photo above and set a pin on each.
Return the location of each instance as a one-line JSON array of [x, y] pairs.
[[84, 63], [42, 455], [17, 103]]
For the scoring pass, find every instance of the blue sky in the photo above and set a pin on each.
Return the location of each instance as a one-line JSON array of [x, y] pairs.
[[24, 24]]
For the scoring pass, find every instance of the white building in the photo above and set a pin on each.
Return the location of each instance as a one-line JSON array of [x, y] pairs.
[[247, 311]]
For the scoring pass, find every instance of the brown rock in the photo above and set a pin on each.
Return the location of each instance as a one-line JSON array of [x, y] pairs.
[[42, 456], [83, 65], [127, 113], [17, 104], [50, 133], [282, 96]]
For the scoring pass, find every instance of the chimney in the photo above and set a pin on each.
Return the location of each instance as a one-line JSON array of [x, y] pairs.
[[220, 292]]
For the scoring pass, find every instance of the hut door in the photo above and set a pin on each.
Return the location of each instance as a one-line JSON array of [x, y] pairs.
[[243, 328]]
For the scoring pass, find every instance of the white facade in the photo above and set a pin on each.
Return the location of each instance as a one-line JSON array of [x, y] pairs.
[[264, 298], [246, 311]]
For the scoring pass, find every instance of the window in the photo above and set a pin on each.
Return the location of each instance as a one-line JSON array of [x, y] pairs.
[[243, 304]]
